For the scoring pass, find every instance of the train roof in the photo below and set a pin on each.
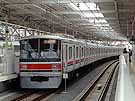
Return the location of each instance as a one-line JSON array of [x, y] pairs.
[[68, 38], [55, 36]]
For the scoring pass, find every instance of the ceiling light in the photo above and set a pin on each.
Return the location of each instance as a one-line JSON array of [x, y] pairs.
[[102, 21], [101, 25], [98, 14], [73, 6], [79, 6], [89, 15], [92, 6], [84, 6]]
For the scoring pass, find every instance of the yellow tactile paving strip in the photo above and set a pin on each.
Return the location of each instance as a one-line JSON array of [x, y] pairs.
[[132, 67]]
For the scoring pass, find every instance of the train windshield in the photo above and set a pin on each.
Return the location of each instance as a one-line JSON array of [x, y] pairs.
[[40, 50]]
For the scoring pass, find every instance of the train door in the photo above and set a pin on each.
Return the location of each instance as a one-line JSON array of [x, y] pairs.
[[74, 50], [64, 56]]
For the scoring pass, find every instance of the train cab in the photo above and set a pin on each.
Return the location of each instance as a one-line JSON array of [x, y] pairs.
[[40, 62]]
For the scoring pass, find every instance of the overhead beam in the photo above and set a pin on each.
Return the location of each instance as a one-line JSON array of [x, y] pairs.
[[96, 23], [126, 10], [91, 18], [69, 1], [84, 11]]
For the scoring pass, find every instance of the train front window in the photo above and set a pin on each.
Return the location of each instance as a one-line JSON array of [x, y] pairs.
[[50, 50], [40, 50], [29, 49]]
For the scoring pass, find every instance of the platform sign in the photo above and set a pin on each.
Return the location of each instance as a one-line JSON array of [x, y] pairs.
[[65, 75]]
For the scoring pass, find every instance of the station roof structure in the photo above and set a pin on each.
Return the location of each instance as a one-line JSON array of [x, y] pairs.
[[93, 19]]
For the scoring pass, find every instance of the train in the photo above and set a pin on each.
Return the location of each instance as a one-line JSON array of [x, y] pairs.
[[44, 59]]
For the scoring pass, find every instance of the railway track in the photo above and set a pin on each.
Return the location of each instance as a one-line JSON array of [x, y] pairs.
[[33, 95], [37, 95], [97, 89]]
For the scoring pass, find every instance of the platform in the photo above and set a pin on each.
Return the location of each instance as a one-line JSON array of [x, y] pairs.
[[125, 90], [7, 77], [132, 72]]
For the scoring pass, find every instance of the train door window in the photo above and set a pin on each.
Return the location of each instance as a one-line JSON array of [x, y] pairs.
[[74, 52], [89, 51], [85, 51], [66, 53], [80, 52], [92, 50], [70, 53], [77, 52]]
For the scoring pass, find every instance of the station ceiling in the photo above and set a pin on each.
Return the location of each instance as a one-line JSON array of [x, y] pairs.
[[93, 19]]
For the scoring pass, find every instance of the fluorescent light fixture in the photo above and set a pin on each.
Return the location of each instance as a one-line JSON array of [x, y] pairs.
[[74, 6], [92, 6], [84, 6], [89, 14], [98, 14], [97, 21], [102, 21], [108, 30], [98, 25], [91, 20], [105, 28], [79, 6], [93, 14]]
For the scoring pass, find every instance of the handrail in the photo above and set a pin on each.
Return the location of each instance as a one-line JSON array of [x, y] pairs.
[[125, 90]]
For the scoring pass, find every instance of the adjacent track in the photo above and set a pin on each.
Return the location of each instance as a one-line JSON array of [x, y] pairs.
[[97, 89]]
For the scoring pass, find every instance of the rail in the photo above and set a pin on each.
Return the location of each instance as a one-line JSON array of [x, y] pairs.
[[124, 90], [84, 94]]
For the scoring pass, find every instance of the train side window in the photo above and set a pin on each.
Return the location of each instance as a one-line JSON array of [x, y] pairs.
[[89, 51], [77, 52], [70, 53], [80, 52], [66, 52], [74, 51], [85, 51]]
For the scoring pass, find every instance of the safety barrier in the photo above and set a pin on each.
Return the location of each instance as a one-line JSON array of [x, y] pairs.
[[125, 90]]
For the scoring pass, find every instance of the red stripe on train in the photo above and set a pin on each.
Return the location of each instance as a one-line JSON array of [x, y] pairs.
[[70, 62], [40, 66], [77, 61]]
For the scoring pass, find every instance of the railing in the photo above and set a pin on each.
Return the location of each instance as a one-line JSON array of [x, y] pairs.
[[125, 90]]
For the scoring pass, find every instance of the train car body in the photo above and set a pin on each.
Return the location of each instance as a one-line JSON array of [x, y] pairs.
[[44, 58]]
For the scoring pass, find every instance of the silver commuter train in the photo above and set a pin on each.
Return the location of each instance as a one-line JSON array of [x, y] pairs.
[[44, 58]]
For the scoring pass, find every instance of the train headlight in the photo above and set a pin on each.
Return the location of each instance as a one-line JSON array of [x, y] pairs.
[[23, 66], [54, 66]]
